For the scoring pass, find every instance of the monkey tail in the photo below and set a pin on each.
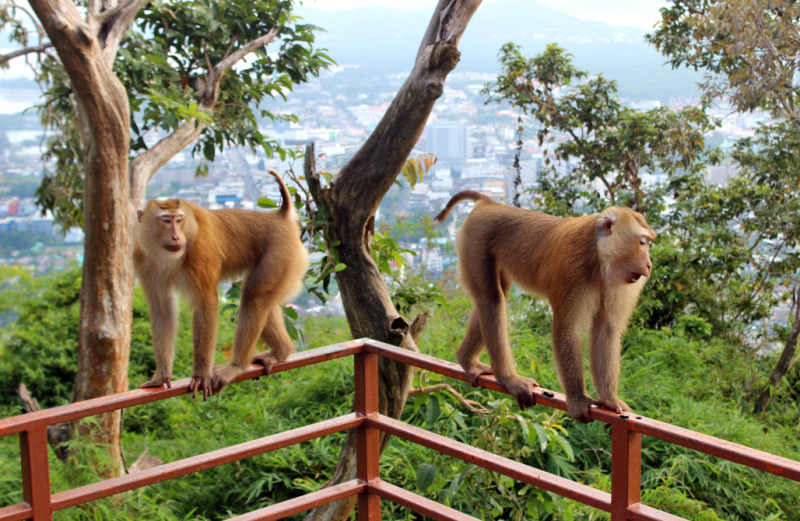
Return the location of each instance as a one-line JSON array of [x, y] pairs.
[[460, 196], [286, 208]]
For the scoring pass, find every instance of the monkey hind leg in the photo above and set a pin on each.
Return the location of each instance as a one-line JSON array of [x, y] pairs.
[[253, 313], [470, 351], [277, 338]]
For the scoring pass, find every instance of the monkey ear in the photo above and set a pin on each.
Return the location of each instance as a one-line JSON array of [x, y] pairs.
[[608, 222], [139, 214]]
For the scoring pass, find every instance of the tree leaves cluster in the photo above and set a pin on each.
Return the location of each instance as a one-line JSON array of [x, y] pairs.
[[164, 63]]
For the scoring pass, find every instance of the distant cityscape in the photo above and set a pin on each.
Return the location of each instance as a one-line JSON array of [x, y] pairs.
[[474, 144]]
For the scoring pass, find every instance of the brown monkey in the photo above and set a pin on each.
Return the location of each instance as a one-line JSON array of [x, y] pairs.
[[179, 245], [590, 268]]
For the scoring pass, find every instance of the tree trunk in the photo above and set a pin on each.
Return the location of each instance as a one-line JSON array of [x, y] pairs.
[[107, 287], [786, 360], [352, 200]]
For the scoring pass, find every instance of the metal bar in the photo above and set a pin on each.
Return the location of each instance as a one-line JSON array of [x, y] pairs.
[[303, 503], [417, 503], [626, 470], [109, 487], [16, 512], [453, 370], [538, 478], [368, 453], [74, 411], [36, 473], [644, 513], [717, 447]]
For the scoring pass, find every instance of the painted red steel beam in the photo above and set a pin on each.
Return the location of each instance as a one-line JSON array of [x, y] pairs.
[[75, 411], [303, 503], [756, 459], [417, 503], [109, 487], [536, 477], [16, 512], [639, 512]]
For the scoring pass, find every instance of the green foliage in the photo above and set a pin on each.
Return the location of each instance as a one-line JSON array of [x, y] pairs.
[[31, 353], [163, 63], [679, 376], [747, 47]]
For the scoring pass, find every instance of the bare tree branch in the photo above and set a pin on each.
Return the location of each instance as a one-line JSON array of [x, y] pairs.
[[145, 165], [473, 406], [27, 50]]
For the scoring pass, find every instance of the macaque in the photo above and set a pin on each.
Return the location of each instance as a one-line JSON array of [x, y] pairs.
[[181, 246], [590, 268]]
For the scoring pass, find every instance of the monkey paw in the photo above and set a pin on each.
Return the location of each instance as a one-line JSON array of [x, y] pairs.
[[225, 374], [476, 371], [521, 389], [616, 405], [202, 384], [267, 360], [157, 381], [578, 407]]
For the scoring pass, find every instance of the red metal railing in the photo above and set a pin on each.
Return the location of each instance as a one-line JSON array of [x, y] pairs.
[[623, 502]]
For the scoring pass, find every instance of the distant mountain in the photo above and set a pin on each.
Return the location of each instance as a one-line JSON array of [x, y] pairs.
[[386, 39]]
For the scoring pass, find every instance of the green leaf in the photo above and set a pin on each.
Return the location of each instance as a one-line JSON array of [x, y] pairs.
[[339, 267], [433, 411], [564, 445], [538, 434], [426, 474], [523, 424]]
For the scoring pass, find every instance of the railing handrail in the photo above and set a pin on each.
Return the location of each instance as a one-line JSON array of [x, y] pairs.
[[623, 502]]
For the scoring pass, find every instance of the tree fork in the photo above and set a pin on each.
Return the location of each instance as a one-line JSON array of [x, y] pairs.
[[352, 200]]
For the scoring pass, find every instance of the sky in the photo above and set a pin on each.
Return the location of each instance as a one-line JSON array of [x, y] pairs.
[[636, 13]]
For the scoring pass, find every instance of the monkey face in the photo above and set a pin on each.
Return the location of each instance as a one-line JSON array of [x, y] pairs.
[[163, 225], [625, 244], [171, 227]]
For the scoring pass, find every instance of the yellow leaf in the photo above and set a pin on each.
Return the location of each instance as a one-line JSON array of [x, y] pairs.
[[411, 173]]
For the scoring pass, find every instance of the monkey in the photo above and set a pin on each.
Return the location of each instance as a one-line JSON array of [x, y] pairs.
[[181, 246], [591, 269]]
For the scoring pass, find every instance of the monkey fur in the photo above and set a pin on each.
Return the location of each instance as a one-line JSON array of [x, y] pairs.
[[591, 269], [181, 246]]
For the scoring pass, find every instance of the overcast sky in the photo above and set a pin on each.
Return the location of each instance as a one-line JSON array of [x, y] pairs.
[[637, 13]]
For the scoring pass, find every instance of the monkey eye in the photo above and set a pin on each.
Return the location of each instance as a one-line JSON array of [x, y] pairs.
[[179, 219], [166, 220]]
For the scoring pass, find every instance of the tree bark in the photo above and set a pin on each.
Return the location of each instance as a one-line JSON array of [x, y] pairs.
[[107, 286], [87, 49], [352, 200], [785, 362]]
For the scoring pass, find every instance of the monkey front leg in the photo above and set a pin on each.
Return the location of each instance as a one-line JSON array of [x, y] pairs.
[[204, 336], [569, 363], [163, 307], [604, 352]]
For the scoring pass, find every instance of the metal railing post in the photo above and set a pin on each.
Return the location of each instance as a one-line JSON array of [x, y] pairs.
[[626, 470], [36, 473], [367, 438]]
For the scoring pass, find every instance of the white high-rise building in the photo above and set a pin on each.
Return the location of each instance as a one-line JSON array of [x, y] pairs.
[[448, 142]]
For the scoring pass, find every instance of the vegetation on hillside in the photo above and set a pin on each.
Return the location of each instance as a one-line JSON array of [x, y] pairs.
[[678, 375]]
